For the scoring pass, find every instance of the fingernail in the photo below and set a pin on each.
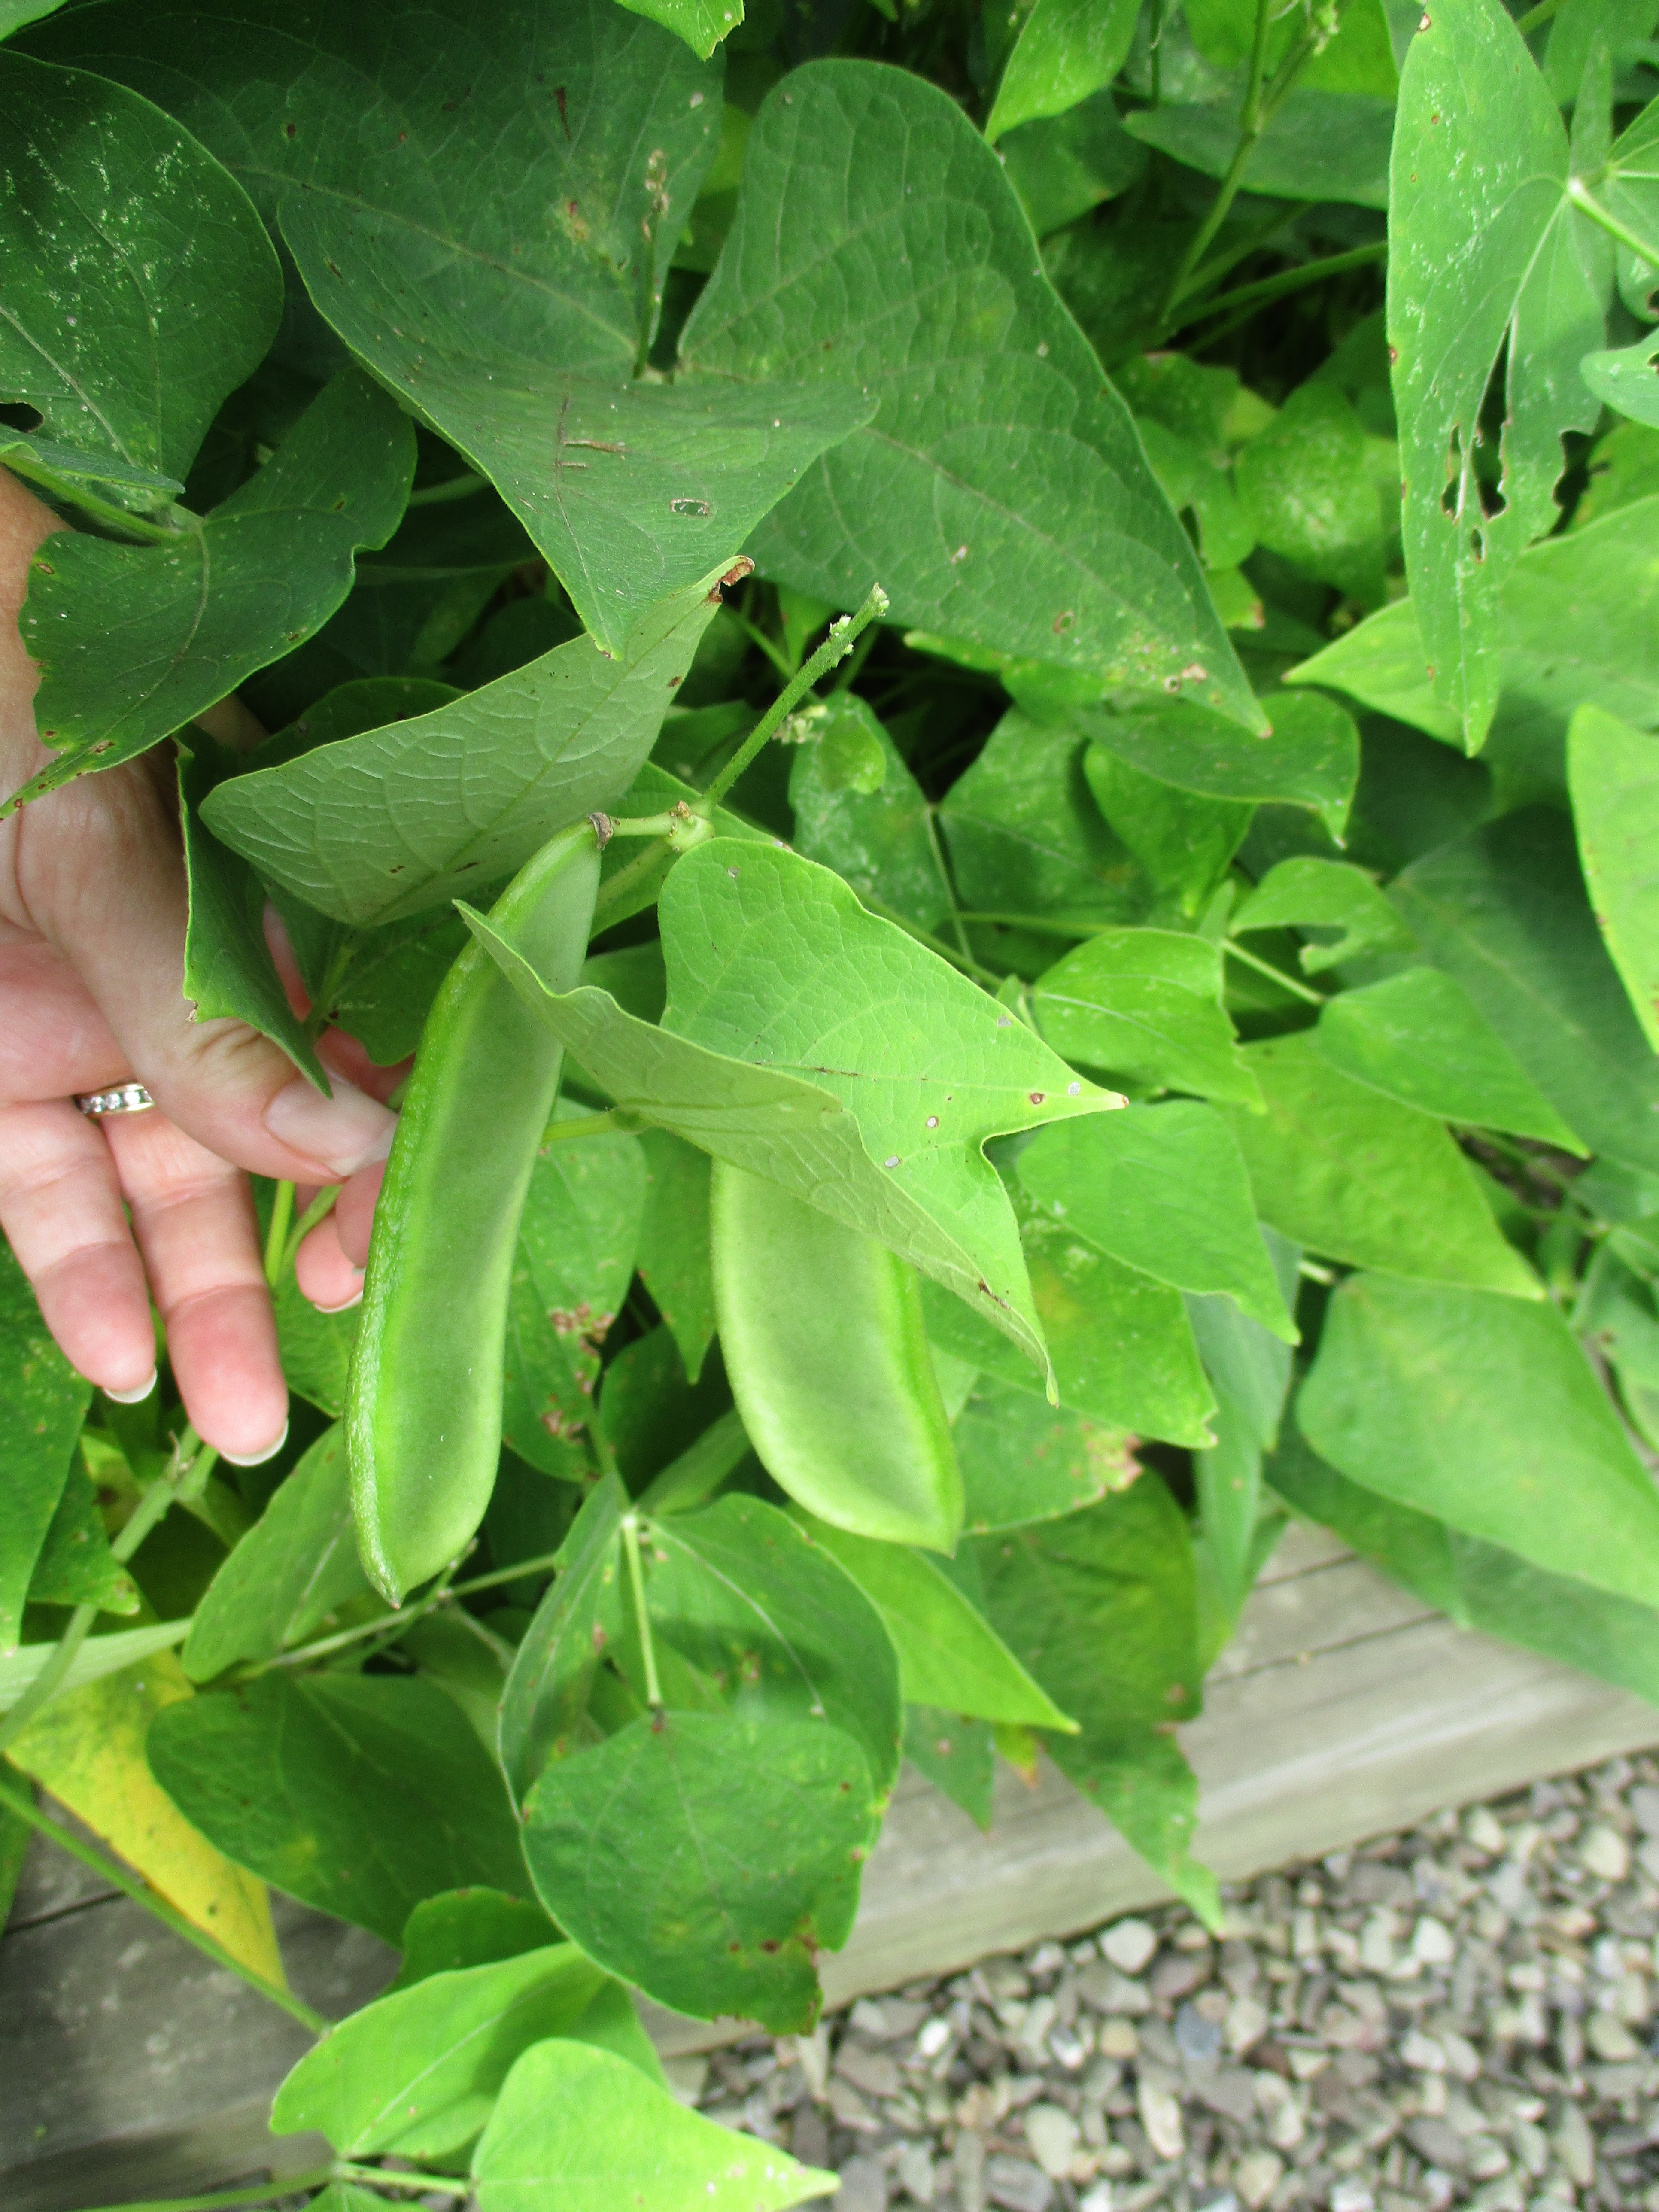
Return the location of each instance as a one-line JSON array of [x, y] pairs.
[[345, 1304], [131, 1397], [341, 1134], [258, 1458]]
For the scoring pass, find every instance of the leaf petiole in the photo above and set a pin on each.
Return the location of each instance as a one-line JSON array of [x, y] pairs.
[[318, 1210], [282, 1212], [1586, 202], [630, 1533], [220, 2200], [1265, 968]]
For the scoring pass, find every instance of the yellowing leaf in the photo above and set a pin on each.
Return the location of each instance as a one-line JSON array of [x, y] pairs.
[[87, 1748]]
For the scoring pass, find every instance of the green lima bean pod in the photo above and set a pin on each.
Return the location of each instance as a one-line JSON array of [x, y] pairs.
[[821, 1330], [423, 1402]]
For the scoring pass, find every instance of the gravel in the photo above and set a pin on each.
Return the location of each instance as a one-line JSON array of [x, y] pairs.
[[1460, 2015]]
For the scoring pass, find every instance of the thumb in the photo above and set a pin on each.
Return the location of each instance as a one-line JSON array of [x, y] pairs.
[[101, 874]]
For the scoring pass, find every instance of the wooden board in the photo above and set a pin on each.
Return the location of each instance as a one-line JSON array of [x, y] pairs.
[[1343, 1709]]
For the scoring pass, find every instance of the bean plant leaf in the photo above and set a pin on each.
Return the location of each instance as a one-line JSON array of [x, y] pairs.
[[76, 1566], [417, 2072], [577, 1239], [757, 1603], [948, 1655], [1315, 144], [1050, 539], [228, 970], [1502, 910], [288, 1574], [397, 820], [1065, 50], [956, 1755], [503, 271], [98, 1657], [701, 23], [1480, 1586], [42, 1403], [135, 641], [1339, 1167], [1309, 758], [552, 1675], [1022, 1461], [1102, 1608], [360, 1795], [673, 1247], [1488, 256], [706, 1858], [1146, 1004], [1580, 626], [1162, 1188], [1419, 1037], [582, 2129], [880, 842], [472, 1927], [1306, 893], [1627, 379], [1613, 772], [772, 960], [1026, 835], [87, 1748], [1123, 1353], [1485, 1412], [104, 199]]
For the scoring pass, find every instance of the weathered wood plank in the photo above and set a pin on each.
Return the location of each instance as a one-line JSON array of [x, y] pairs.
[[1344, 1709]]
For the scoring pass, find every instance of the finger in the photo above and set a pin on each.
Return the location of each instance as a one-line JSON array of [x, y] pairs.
[[101, 878], [53, 1041], [323, 1272], [354, 1212], [194, 1220], [60, 1206], [25, 522]]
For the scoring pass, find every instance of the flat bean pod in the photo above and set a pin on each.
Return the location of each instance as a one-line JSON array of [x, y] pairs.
[[821, 1330], [423, 1405]]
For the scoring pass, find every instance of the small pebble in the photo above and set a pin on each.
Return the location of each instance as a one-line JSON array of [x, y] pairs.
[[1052, 2136], [1128, 1945], [1606, 1853]]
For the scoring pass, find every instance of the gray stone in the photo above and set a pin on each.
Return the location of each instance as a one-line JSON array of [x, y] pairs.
[[1437, 2143], [1198, 2039], [872, 2072], [1016, 2184], [863, 2187]]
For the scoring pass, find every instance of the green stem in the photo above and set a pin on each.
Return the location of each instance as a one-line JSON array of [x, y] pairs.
[[282, 1212], [100, 510], [318, 1210], [432, 2183], [843, 636], [1583, 198], [186, 1476], [1288, 280], [1535, 18], [1265, 968], [585, 1125], [20, 1801], [928, 816], [262, 2192], [339, 965], [1154, 53], [1253, 116], [460, 487], [639, 825], [757, 636], [630, 1531]]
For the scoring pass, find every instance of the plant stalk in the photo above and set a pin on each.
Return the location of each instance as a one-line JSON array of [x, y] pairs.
[[283, 2184], [630, 1531], [1265, 968]]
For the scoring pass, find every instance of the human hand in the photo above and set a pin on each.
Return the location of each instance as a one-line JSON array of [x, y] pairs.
[[93, 908]]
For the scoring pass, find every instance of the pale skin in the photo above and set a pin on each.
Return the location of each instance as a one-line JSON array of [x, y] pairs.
[[105, 1217]]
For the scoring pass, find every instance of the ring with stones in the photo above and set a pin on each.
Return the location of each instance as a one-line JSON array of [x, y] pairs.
[[124, 1099]]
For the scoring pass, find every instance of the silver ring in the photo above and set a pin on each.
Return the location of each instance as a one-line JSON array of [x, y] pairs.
[[124, 1099]]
